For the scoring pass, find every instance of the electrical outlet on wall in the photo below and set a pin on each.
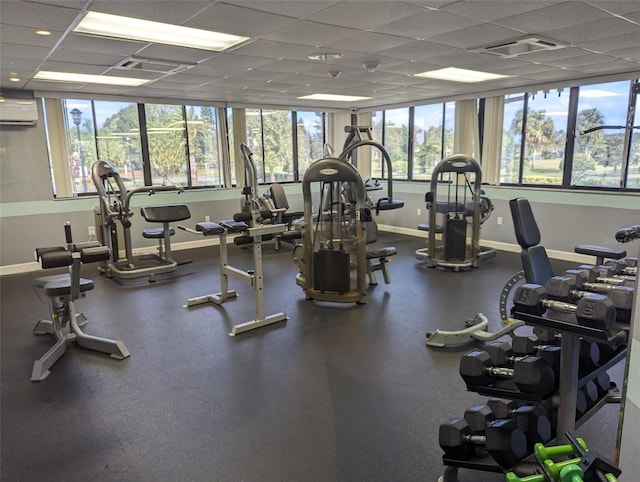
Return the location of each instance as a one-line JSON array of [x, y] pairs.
[[419, 212], [499, 220], [92, 230], [207, 219]]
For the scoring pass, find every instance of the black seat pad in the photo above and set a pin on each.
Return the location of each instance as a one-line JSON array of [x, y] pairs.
[[156, 233], [381, 252], [62, 287]]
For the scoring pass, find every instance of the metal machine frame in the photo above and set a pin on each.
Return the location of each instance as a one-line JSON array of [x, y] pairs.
[[460, 247], [115, 207], [254, 234]]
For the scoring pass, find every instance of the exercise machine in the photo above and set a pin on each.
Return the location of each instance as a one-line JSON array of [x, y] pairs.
[[62, 292], [457, 216], [113, 216], [245, 234]]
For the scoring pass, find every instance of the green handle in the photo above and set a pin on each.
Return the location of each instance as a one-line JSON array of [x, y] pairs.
[[543, 453], [554, 468], [571, 473], [511, 477]]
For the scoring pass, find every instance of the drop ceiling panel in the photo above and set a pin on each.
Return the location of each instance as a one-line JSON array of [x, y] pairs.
[[29, 52], [495, 9], [612, 43], [178, 54], [27, 36], [477, 36], [309, 33], [234, 61], [84, 57], [273, 50], [631, 53], [26, 14], [600, 29], [427, 25], [124, 48], [238, 20], [365, 15], [368, 42], [554, 17], [417, 50], [163, 11], [289, 8]]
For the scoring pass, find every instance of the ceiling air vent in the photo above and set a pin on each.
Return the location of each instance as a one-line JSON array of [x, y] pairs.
[[153, 65], [521, 46]]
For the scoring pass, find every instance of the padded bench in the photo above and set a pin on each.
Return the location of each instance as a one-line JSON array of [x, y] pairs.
[[601, 253]]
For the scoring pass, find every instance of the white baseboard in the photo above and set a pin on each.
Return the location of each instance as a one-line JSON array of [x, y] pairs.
[[201, 243], [499, 245], [215, 241]]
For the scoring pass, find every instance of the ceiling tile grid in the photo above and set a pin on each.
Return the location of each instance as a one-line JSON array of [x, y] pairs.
[[404, 37]]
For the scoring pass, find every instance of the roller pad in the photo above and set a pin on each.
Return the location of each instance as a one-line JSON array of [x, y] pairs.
[[55, 259], [95, 255]]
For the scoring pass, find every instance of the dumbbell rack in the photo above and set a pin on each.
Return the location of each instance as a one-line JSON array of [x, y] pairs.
[[570, 381]]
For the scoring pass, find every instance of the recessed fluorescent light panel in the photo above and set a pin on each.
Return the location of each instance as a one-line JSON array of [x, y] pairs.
[[88, 79], [334, 97], [115, 26], [460, 75]]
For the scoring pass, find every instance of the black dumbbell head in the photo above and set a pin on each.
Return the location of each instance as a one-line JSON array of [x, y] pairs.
[[560, 288], [577, 277], [534, 423], [506, 443], [451, 436], [474, 366], [525, 344], [596, 311], [589, 355], [499, 352], [533, 375], [478, 417], [501, 407], [529, 298]]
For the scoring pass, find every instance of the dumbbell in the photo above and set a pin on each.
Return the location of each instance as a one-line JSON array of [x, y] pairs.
[[530, 374], [503, 354], [528, 418], [503, 440], [595, 275], [589, 352], [594, 310], [564, 288], [553, 470]]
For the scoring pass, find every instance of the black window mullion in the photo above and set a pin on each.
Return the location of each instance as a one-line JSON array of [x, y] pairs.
[[294, 141], [410, 144], [572, 125], [525, 106], [144, 145]]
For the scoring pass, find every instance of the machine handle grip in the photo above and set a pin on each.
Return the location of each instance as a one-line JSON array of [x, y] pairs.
[[67, 233]]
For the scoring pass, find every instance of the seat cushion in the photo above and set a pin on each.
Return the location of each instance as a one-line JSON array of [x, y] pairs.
[[155, 233], [62, 287]]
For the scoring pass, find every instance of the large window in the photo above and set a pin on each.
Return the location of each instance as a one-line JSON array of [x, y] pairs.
[[80, 143], [167, 144], [270, 137], [118, 139], [396, 141], [511, 139], [590, 119], [428, 129], [310, 131], [174, 144], [205, 165], [600, 126]]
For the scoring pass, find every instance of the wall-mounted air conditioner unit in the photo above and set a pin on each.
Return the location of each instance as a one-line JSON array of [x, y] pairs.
[[18, 112]]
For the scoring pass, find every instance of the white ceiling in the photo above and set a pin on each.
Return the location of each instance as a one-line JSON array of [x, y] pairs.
[[272, 68]]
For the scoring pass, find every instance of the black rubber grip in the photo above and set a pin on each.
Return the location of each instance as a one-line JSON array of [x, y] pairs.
[[67, 233], [626, 235]]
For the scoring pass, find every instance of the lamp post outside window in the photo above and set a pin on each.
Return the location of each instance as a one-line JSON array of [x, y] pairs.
[[76, 116]]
